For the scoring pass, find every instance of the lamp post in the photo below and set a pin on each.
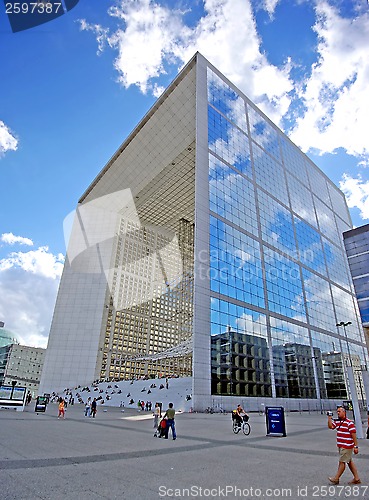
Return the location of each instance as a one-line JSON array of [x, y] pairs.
[[342, 323], [352, 385], [14, 383]]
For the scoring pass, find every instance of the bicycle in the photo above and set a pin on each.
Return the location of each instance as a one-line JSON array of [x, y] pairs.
[[245, 426]]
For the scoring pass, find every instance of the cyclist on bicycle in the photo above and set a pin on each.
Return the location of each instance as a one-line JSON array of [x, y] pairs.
[[238, 414]]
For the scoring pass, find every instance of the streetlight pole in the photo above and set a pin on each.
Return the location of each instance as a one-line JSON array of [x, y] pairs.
[[342, 323], [352, 385]]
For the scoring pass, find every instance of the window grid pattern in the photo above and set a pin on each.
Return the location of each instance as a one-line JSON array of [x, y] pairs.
[[284, 285], [333, 365], [235, 264], [301, 200], [326, 222], [292, 361], [232, 195], [225, 315], [319, 185], [240, 362], [338, 204], [276, 224], [310, 246], [336, 263], [318, 299], [345, 304], [342, 226], [294, 160], [361, 286], [228, 142], [364, 310], [263, 133], [357, 244], [293, 273], [152, 290], [269, 174], [226, 100]]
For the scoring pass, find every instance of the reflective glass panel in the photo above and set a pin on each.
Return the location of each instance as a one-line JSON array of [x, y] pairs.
[[318, 184], [344, 304], [269, 174], [310, 246], [362, 287], [276, 224], [232, 195], [239, 351], [358, 243], [359, 264], [284, 285], [327, 223], [318, 301], [293, 160], [228, 142], [336, 263], [292, 360], [339, 204], [301, 200], [226, 100], [263, 133], [333, 365], [235, 264]]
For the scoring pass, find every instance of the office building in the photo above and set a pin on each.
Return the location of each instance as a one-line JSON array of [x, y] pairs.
[[207, 230], [357, 249], [23, 365]]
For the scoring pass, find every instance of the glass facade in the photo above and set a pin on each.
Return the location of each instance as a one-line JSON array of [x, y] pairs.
[[210, 246], [357, 249], [279, 279]]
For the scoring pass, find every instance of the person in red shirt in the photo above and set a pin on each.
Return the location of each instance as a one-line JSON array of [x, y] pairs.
[[61, 408], [346, 442]]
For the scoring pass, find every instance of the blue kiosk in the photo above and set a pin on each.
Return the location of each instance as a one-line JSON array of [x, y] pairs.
[[275, 422]]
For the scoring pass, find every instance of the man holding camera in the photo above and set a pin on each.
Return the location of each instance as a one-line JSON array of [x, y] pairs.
[[346, 442]]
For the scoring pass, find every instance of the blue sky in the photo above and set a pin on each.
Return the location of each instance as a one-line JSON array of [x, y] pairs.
[[73, 89]]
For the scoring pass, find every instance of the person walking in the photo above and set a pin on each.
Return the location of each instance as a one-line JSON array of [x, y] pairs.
[[61, 408], [94, 408], [88, 408], [169, 415], [346, 443], [156, 415]]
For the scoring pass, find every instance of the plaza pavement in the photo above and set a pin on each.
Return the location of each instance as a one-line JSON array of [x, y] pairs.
[[115, 456]]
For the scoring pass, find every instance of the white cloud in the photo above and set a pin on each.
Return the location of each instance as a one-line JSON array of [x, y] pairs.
[[150, 35], [239, 57], [336, 94], [100, 33], [11, 239], [357, 194], [40, 262], [270, 6], [28, 286], [7, 140]]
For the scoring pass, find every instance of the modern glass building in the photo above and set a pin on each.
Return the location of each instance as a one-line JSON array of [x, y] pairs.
[[357, 250], [210, 246]]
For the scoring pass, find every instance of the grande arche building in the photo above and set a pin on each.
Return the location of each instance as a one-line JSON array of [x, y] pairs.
[[209, 246]]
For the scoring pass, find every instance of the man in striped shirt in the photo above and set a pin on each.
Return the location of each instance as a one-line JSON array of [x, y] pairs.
[[346, 442]]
